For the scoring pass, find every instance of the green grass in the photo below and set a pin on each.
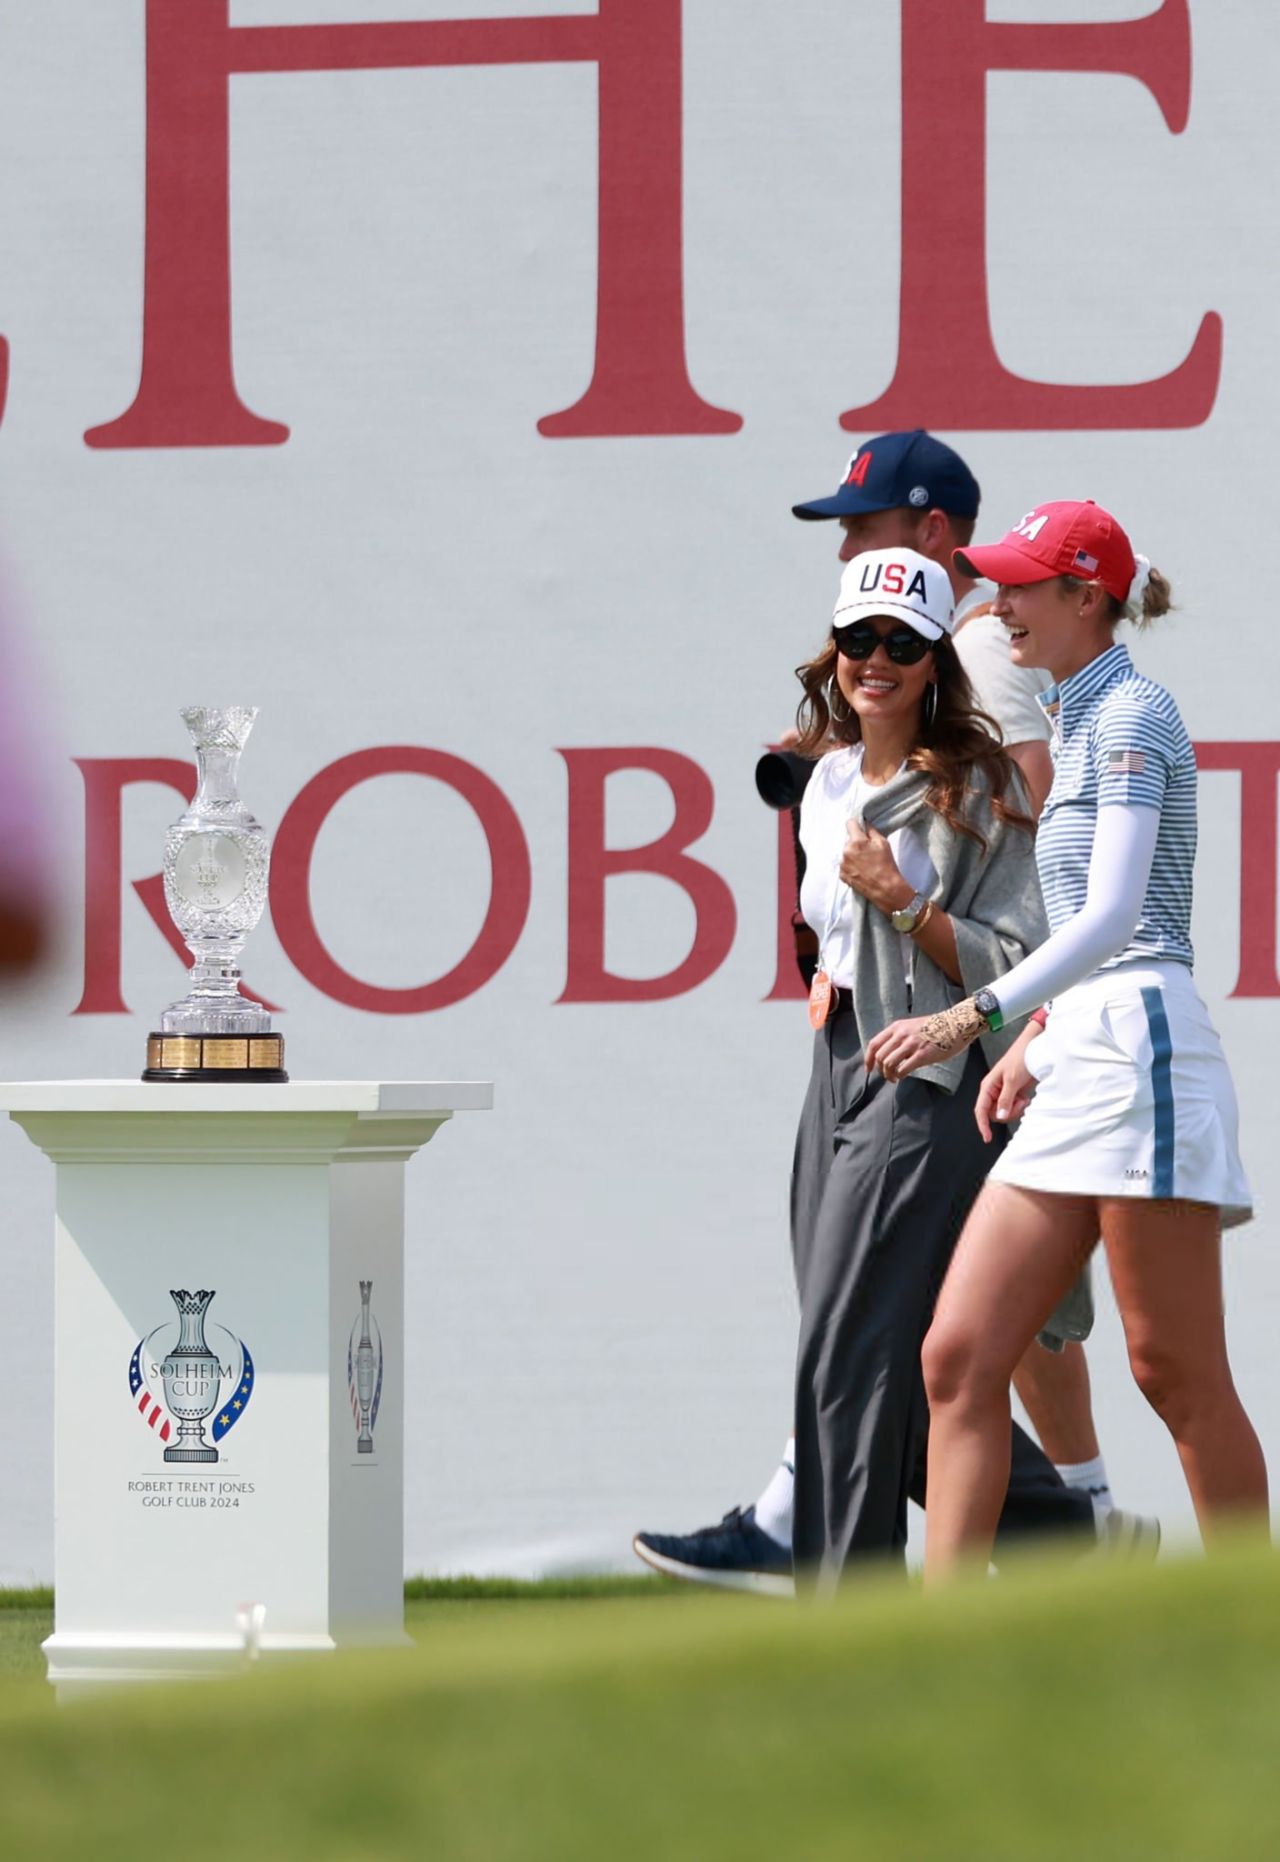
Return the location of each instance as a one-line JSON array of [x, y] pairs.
[[26, 1616], [39, 1597], [543, 1590], [21, 1633], [1083, 1713]]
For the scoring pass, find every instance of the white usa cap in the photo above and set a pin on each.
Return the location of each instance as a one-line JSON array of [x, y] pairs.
[[902, 584]]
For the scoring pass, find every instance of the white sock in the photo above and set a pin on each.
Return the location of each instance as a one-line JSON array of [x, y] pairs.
[[1092, 1476], [776, 1504]]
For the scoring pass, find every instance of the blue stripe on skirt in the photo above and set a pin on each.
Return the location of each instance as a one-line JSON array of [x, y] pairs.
[[1162, 1087]]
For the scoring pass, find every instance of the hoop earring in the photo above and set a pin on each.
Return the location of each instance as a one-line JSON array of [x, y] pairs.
[[929, 706]]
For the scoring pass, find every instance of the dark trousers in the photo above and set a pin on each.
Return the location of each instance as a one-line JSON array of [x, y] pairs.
[[884, 1177]]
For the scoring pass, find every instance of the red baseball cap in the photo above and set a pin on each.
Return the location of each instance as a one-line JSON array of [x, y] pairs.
[[1067, 538]]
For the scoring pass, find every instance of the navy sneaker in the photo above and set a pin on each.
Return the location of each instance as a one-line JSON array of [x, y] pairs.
[[735, 1555]]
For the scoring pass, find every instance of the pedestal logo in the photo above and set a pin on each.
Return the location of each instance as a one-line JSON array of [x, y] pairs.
[[184, 1373], [364, 1372]]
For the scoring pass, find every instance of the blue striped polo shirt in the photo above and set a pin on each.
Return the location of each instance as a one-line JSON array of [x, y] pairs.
[[1118, 737]]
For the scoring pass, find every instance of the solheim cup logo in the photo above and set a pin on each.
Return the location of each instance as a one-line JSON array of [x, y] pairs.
[[192, 1378], [364, 1372]]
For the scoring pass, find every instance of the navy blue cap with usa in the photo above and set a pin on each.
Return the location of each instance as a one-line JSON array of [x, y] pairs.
[[901, 471]]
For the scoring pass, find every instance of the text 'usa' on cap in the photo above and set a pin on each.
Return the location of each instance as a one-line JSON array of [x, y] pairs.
[[1068, 537]]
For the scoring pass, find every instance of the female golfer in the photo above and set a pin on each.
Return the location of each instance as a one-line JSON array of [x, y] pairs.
[[1131, 1132], [920, 881]]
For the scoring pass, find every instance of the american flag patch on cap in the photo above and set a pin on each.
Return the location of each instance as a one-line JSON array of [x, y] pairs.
[[1085, 562], [1126, 762]]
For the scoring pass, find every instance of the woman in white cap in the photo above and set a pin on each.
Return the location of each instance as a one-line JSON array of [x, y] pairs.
[[1129, 1126], [920, 882]]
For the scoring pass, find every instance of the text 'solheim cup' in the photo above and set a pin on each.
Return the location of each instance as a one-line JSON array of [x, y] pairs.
[[216, 862]]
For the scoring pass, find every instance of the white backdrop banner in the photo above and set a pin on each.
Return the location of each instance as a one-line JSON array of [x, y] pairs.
[[440, 383]]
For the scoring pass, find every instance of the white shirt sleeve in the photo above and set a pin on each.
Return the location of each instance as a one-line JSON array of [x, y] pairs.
[[1004, 691], [1124, 843]]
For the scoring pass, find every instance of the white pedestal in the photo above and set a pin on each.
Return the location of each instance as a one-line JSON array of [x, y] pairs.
[[285, 1534]]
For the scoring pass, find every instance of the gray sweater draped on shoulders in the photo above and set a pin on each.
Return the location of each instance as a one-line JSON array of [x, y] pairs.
[[991, 894]]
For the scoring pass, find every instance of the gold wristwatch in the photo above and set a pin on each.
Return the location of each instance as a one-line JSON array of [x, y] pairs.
[[908, 916]]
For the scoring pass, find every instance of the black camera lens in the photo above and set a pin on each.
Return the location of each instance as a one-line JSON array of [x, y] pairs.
[[782, 777]]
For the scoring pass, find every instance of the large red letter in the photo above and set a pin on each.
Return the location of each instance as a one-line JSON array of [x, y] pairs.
[[291, 879], [948, 372], [105, 778], [591, 863], [187, 395], [1258, 765]]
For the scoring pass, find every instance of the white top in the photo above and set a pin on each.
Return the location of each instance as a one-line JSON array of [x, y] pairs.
[[836, 794], [1006, 692], [291, 1122]]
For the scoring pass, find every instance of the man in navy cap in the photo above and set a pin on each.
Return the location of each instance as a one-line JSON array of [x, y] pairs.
[[910, 473], [910, 489], [913, 489]]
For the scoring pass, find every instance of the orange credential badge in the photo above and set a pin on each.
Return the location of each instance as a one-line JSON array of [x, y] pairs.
[[820, 993]]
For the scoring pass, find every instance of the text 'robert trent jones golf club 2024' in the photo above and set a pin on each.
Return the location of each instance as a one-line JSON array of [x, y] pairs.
[[216, 862]]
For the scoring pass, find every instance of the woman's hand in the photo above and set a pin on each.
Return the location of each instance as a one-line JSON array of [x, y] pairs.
[[923, 1040], [869, 867], [1006, 1092]]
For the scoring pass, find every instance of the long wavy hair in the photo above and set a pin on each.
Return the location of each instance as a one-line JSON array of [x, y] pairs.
[[960, 742]]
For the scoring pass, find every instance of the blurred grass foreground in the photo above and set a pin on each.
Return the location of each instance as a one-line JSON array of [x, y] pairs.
[[1084, 1712]]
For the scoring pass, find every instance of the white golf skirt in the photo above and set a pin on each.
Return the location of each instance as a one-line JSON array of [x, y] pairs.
[[1134, 1096]]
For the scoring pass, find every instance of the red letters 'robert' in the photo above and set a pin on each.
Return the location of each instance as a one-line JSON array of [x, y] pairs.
[[948, 372], [187, 395]]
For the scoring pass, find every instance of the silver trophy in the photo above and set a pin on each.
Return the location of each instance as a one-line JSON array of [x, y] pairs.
[[192, 1378], [364, 1373], [216, 862]]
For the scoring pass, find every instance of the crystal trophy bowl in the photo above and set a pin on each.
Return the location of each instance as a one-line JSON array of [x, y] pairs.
[[216, 862]]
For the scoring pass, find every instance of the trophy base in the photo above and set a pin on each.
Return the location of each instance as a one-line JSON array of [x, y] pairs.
[[191, 1454], [208, 1057]]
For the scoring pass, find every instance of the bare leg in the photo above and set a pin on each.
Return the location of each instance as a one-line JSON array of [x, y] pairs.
[[1054, 1388], [1019, 1253], [1166, 1268]]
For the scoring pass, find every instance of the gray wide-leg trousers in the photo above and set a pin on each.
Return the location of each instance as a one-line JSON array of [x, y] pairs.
[[884, 1177]]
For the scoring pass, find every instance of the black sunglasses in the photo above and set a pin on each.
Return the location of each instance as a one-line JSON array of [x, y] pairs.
[[904, 645]]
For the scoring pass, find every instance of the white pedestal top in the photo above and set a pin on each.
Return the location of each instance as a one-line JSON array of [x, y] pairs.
[[298, 1121], [395, 1098]]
